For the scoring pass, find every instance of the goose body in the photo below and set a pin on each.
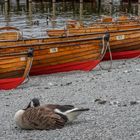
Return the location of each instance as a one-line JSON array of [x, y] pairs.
[[68, 111], [47, 117], [40, 117]]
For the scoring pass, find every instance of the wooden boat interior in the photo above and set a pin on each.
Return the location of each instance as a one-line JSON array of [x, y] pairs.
[[13, 65], [94, 28], [10, 33], [107, 21]]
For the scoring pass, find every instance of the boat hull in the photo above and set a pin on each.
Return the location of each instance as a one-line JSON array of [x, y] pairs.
[[14, 68], [123, 55], [10, 83], [85, 66], [67, 55]]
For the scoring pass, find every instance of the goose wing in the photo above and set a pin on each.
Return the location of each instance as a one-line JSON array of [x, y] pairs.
[[42, 118], [62, 108]]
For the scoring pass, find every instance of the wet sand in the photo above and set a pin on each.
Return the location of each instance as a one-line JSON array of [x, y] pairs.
[[113, 97]]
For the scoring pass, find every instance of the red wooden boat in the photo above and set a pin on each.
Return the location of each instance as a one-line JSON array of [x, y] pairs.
[[14, 68], [124, 43], [62, 54]]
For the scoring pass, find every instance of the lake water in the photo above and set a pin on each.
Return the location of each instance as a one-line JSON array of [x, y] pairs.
[[34, 19]]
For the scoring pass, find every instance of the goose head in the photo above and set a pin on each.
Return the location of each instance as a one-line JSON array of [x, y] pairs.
[[33, 103]]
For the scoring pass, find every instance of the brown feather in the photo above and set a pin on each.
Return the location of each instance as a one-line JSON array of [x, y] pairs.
[[42, 118]]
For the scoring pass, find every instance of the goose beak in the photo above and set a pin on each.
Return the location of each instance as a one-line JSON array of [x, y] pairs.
[[29, 105]]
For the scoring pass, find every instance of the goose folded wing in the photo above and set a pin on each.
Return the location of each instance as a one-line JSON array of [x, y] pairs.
[[43, 118], [62, 108]]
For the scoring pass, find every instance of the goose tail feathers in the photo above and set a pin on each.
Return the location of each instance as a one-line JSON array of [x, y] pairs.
[[74, 113], [81, 109]]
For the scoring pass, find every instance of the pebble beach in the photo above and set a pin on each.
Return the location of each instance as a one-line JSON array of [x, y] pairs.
[[113, 96]]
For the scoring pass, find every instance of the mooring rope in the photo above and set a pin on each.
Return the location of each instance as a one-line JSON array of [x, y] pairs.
[[26, 80], [104, 50], [28, 77]]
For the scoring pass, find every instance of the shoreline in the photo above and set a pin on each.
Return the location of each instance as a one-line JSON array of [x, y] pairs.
[[115, 119]]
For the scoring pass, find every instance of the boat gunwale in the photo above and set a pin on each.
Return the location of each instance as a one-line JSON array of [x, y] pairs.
[[53, 43], [12, 54], [104, 32], [69, 36]]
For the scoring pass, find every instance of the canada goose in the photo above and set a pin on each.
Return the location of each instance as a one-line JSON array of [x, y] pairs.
[[36, 116], [69, 111], [39, 117]]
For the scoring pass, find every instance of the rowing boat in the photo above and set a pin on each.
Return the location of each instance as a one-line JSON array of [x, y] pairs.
[[97, 28], [14, 68], [124, 43], [124, 39], [10, 33], [121, 20], [104, 24], [61, 54]]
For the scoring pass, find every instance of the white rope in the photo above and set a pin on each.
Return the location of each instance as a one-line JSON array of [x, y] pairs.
[[110, 54], [26, 80], [105, 47], [28, 77], [103, 42]]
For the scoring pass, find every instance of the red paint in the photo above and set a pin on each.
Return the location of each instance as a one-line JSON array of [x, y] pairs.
[[123, 55], [10, 83], [85, 66]]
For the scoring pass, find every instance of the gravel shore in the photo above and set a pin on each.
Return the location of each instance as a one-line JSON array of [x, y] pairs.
[[112, 96]]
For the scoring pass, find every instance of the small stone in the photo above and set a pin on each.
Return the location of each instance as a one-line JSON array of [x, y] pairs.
[[138, 70], [102, 102], [79, 89], [51, 84], [69, 83], [133, 102], [124, 105], [114, 103], [97, 100], [61, 85], [46, 88], [132, 134]]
